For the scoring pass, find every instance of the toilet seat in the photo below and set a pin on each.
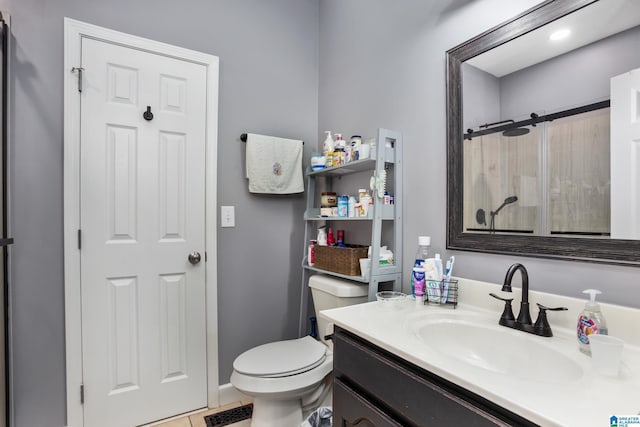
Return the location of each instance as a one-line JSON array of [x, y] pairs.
[[281, 358]]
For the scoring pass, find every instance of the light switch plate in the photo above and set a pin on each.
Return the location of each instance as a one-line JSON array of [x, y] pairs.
[[227, 216]]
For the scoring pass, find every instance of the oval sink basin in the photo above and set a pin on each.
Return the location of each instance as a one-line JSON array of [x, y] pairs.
[[497, 349]]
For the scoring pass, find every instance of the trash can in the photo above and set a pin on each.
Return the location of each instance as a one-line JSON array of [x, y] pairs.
[[321, 417]]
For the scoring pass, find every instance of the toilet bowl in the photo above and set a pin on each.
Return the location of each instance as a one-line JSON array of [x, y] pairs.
[[288, 379]]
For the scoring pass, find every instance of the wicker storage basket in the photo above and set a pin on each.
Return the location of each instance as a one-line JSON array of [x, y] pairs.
[[340, 260]]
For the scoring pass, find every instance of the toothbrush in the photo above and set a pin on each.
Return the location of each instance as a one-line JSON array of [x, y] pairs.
[[447, 276], [449, 268]]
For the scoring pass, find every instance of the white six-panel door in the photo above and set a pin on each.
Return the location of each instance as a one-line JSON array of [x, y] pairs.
[[142, 200], [625, 155]]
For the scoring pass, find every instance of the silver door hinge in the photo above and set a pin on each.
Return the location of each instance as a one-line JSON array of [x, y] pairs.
[[79, 70], [205, 257], [82, 393], [79, 239]]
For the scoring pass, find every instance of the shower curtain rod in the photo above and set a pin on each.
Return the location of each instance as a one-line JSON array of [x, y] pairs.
[[539, 119]]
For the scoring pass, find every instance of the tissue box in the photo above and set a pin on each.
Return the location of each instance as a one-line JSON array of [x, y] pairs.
[[340, 260]]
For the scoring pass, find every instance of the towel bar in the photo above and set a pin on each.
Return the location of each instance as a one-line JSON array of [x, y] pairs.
[[243, 138]]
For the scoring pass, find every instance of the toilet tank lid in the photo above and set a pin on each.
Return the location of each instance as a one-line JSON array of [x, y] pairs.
[[337, 287]]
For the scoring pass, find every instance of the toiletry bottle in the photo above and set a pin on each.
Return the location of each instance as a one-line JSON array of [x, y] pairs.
[[311, 256], [433, 293], [328, 159], [365, 201], [421, 254], [322, 236], [591, 321], [356, 140], [439, 269], [330, 239], [343, 206], [351, 207], [338, 151], [418, 284], [340, 243], [328, 144]]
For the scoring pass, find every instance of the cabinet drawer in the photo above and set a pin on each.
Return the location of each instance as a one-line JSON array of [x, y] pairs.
[[351, 409], [408, 393]]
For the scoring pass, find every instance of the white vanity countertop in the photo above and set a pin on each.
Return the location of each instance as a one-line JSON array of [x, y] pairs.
[[587, 400]]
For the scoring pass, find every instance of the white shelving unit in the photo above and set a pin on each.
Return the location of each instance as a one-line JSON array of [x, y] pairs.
[[384, 158]]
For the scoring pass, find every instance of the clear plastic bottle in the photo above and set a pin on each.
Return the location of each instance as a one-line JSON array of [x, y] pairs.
[[424, 245], [591, 321], [328, 144]]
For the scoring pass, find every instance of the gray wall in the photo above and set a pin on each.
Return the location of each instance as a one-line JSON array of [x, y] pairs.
[[480, 97], [577, 78], [268, 84], [391, 73]]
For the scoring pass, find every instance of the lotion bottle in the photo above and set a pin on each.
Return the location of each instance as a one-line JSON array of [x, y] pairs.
[[328, 144], [591, 321]]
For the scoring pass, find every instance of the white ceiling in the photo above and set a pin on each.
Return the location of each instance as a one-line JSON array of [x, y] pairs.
[[589, 24]]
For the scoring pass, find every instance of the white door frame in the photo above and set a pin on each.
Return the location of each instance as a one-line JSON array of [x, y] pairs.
[[74, 31]]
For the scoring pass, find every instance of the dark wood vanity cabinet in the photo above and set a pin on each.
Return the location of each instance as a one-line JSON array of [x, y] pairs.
[[374, 388]]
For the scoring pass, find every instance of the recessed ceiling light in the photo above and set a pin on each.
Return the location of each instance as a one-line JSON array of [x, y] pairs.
[[560, 34]]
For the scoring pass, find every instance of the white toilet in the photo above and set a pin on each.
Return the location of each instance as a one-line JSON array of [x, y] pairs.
[[289, 379]]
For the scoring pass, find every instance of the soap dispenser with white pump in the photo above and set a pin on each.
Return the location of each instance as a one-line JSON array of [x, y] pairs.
[[591, 321]]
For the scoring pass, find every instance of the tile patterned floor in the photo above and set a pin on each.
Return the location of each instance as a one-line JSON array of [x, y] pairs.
[[196, 419]]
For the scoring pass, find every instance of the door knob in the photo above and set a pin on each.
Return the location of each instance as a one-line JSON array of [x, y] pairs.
[[194, 257], [148, 115]]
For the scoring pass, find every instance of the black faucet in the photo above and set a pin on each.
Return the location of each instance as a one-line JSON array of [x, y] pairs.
[[523, 322]]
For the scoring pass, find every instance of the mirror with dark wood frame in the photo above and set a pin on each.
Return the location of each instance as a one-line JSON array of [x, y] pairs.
[[593, 248]]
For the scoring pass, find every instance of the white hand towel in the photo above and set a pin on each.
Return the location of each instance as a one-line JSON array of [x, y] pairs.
[[274, 165]]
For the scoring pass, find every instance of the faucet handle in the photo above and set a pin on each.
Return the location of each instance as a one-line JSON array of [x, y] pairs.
[[500, 298], [507, 318], [545, 308], [542, 327]]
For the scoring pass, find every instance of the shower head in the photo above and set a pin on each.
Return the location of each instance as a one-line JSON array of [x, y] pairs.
[[507, 201], [515, 132]]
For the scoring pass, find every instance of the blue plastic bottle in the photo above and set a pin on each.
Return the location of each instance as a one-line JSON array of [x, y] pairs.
[[343, 206]]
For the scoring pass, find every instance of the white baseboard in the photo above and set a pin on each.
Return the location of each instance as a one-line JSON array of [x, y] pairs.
[[229, 394]]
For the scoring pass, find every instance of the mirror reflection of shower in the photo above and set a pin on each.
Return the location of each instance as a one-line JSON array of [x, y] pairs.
[[481, 216], [506, 128], [556, 164], [507, 201]]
